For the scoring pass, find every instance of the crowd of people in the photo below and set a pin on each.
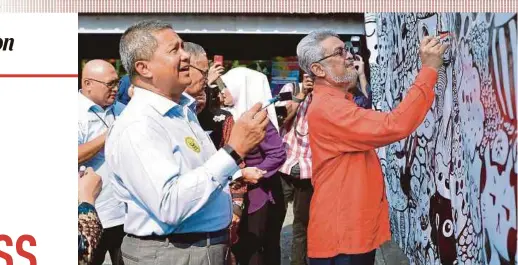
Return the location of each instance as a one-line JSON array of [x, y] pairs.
[[182, 170]]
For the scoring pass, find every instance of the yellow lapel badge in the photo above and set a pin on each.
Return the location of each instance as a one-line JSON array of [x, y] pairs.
[[192, 144]]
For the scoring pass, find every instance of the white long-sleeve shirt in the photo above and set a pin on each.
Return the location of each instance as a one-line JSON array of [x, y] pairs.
[[91, 124], [167, 169]]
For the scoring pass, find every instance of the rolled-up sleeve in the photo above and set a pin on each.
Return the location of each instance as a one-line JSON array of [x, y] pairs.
[[150, 169]]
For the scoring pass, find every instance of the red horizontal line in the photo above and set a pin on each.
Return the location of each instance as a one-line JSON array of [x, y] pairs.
[[38, 75]]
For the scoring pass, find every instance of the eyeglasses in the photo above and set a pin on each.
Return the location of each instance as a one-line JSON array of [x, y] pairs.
[[204, 73], [110, 85], [342, 51]]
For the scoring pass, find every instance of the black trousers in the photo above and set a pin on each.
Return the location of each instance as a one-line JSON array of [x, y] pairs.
[[300, 191], [111, 241], [346, 259], [260, 232]]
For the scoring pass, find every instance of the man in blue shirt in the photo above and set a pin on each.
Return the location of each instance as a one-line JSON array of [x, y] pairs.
[[167, 171], [97, 111]]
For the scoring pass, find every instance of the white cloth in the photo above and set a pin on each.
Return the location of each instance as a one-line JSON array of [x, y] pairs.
[[111, 211], [289, 87], [248, 87], [167, 169]]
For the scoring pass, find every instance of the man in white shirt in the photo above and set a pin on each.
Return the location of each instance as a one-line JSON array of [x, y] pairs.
[[167, 170], [97, 112]]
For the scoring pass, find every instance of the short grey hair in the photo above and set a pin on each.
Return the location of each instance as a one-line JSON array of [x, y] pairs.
[[194, 49], [138, 43], [309, 49]]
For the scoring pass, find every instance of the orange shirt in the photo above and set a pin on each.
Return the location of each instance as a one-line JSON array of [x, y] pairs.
[[349, 209]]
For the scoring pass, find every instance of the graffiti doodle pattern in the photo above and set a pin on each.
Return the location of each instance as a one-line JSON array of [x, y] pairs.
[[452, 183]]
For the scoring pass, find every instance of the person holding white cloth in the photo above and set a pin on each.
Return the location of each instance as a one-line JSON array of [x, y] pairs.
[[248, 86], [167, 170], [261, 221]]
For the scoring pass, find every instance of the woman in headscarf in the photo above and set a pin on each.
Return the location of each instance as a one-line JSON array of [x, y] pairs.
[[261, 221]]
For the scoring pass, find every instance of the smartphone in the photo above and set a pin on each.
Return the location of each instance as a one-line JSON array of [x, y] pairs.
[[218, 59]]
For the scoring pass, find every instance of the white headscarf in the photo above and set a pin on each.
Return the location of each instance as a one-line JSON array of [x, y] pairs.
[[248, 87]]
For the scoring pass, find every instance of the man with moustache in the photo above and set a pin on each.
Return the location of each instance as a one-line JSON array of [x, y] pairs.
[[199, 74], [296, 171], [167, 171], [98, 110], [212, 118], [349, 210]]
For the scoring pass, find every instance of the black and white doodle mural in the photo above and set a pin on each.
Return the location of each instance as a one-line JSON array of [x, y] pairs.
[[452, 184]]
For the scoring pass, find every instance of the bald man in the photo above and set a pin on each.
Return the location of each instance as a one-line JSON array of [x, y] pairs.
[[98, 110]]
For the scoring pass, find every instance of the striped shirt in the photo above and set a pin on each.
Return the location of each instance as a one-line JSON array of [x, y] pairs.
[[296, 139]]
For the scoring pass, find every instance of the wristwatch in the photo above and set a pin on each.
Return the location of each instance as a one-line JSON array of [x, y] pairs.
[[237, 158]]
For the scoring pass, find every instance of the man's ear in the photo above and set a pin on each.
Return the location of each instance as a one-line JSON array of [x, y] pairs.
[[86, 85], [318, 70], [142, 68]]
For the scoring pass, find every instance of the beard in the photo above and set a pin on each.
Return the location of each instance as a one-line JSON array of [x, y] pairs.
[[349, 77]]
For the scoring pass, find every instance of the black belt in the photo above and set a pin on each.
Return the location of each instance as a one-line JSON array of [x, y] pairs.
[[192, 239]]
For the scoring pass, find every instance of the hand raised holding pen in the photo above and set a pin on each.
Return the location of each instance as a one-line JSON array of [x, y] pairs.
[[431, 52]]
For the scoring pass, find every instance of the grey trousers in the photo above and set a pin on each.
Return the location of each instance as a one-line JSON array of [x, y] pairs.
[[148, 252]]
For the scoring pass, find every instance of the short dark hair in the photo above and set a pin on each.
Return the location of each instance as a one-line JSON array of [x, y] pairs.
[[138, 43]]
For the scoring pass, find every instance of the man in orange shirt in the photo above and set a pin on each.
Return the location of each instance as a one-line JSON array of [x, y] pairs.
[[349, 211]]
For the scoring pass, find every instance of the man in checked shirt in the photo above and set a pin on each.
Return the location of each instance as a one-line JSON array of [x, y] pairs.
[[296, 171]]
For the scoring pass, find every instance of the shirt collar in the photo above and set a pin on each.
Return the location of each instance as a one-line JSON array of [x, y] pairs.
[[87, 104], [189, 101], [161, 103], [333, 92]]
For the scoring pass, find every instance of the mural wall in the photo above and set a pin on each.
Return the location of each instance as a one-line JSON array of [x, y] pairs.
[[452, 184]]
